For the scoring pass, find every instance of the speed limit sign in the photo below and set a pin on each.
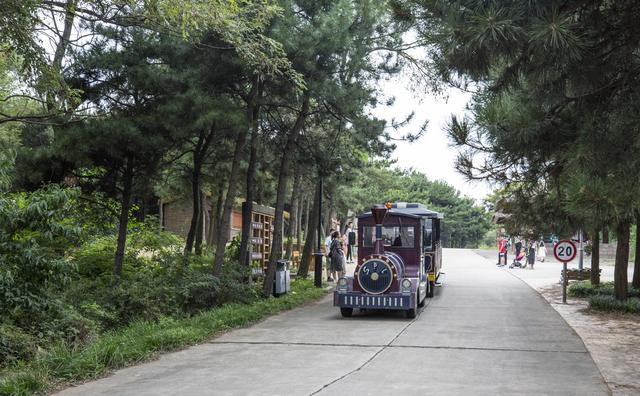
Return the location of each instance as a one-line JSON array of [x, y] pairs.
[[565, 251]]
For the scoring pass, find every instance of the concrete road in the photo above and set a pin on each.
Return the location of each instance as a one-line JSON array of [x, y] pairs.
[[484, 333]]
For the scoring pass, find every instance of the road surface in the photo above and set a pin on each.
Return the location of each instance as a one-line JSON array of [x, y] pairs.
[[484, 333]]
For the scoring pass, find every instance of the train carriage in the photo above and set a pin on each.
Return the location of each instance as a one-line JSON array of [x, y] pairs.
[[399, 260]]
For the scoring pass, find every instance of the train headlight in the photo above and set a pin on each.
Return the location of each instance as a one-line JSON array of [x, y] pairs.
[[406, 285], [342, 284]]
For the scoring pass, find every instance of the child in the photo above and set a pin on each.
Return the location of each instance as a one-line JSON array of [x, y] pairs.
[[542, 250]]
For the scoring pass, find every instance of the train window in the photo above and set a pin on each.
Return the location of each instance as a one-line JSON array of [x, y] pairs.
[[427, 235], [392, 236]]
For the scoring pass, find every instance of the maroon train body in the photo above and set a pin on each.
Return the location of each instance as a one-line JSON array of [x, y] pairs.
[[399, 260]]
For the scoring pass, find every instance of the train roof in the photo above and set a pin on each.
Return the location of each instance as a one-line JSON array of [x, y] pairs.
[[410, 210]]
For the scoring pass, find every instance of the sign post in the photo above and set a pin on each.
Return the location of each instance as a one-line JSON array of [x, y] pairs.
[[564, 251]]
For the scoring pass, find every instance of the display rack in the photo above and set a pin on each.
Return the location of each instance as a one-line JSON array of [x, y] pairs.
[[262, 218]]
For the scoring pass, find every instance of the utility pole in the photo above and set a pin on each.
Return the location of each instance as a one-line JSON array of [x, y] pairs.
[[581, 249]]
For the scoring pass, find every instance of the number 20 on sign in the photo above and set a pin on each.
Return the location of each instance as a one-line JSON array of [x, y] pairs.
[[564, 251]]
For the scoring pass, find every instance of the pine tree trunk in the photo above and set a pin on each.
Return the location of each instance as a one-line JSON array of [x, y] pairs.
[[125, 206], [327, 219], [214, 221], [595, 258], [61, 48], [299, 222], [306, 218], [310, 234], [622, 261], [283, 178], [195, 228], [636, 262], [605, 234], [196, 209], [247, 208], [293, 216], [225, 221], [199, 226]]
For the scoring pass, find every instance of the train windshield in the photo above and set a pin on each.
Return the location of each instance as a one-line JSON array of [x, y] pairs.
[[392, 236]]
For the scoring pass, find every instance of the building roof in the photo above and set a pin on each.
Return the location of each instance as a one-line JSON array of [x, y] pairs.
[[410, 209]]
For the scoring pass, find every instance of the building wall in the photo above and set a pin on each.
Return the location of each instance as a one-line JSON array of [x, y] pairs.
[[177, 217], [236, 223]]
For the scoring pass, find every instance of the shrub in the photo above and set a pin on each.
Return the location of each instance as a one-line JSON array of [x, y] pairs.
[[15, 345], [141, 340], [585, 289], [580, 289], [95, 258], [65, 323], [609, 303], [34, 236], [176, 287]]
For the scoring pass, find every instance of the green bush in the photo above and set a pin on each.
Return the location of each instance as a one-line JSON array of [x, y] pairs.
[[586, 289], [147, 249], [609, 303], [140, 341], [175, 286], [15, 345], [35, 234], [580, 289]]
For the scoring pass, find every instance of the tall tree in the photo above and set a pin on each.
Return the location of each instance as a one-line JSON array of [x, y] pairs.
[[554, 80], [124, 150]]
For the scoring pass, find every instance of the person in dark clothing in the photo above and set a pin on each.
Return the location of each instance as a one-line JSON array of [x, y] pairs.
[[531, 252], [518, 246], [336, 255], [351, 240]]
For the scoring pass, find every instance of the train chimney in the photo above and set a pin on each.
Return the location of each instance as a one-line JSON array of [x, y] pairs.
[[379, 212]]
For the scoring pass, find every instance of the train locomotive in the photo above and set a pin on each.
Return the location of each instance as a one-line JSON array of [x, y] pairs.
[[399, 260]]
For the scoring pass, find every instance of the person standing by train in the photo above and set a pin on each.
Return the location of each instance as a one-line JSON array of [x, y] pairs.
[[336, 253], [351, 240], [327, 252]]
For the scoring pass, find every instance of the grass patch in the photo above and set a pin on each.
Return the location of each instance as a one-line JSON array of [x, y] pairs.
[[140, 341], [609, 303], [586, 289]]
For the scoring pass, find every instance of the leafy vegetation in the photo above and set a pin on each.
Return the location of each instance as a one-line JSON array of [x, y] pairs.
[[554, 114], [609, 303], [142, 340], [586, 289], [109, 109], [465, 223], [601, 297]]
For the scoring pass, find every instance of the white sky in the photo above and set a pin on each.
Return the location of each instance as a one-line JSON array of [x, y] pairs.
[[431, 154]]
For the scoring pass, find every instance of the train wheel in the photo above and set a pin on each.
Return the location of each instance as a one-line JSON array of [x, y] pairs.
[[431, 288], [346, 312], [420, 303], [410, 313]]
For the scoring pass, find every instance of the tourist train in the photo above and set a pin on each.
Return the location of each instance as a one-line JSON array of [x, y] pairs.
[[399, 260]]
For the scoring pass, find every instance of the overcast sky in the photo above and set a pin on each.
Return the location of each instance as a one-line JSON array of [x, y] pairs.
[[431, 154]]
